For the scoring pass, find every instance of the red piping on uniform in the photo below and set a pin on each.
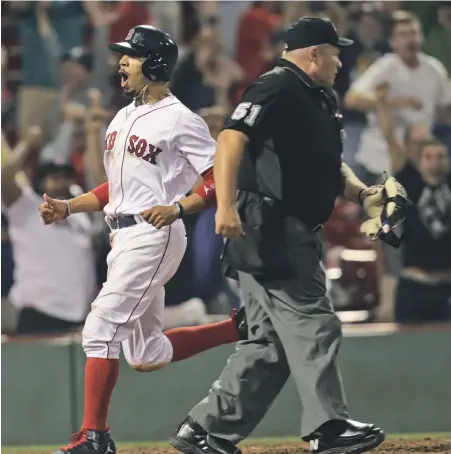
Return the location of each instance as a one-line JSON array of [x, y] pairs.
[[142, 296], [123, 156]]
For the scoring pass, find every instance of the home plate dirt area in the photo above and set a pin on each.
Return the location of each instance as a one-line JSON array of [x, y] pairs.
[[439, 445], [399, 446]]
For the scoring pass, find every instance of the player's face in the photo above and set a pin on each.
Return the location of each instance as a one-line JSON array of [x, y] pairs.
[[132, 79], [327, 62], [434, 163]]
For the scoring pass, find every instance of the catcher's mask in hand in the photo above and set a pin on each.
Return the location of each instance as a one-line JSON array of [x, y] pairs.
[[389, 227]]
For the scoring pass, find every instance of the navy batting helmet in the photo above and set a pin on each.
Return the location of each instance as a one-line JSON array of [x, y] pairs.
[[153, 44]]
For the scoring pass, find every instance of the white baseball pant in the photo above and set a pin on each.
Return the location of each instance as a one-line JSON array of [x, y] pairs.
[[129, 308]]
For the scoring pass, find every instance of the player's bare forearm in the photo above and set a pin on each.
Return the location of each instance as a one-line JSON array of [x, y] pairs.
[[194, 203], [85, 203], [54, 210], [202, 197], [352, 185], [163, 215], [227, 163]]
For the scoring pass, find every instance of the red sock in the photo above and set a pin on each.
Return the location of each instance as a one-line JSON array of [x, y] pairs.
[[190, 341], [100, 380]]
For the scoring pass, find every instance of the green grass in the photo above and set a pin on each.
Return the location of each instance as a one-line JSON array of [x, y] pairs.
[[160, 444]]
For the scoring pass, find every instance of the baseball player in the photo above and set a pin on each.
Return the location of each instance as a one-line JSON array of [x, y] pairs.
[[155, 149]]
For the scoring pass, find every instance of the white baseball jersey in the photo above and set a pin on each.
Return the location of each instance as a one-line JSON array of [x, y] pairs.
[[154, 154]]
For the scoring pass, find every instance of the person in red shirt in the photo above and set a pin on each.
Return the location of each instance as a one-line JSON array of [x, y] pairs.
[[255, 30]]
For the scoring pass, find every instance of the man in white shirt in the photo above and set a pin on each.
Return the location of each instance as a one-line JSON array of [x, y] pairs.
[[50, 262], [419, 92]]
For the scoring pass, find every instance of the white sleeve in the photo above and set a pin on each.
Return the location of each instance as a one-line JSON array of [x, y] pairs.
[[444, 86], [24, 209], [192, 138], [372, 77]]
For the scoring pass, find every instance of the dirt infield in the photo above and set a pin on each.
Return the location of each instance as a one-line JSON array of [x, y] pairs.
[[440, 446], [398, 446]]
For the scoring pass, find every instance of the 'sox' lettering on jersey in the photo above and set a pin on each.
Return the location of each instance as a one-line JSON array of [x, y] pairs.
[[110, 139], [143, 150]]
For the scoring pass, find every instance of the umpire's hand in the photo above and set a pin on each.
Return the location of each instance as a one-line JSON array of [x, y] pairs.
[[228, 223]]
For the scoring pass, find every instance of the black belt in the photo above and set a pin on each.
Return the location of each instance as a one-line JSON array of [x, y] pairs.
[[121, 222], [315, 228]]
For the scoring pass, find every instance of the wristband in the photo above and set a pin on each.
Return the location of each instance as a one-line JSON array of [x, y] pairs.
[[67, 213], [180, 209]]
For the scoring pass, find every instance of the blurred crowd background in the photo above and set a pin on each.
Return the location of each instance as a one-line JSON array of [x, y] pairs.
[[60, 88]]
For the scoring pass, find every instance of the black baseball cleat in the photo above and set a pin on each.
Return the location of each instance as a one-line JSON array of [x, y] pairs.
[[241, 322], [191, 438], [89, 442], [357, 438]]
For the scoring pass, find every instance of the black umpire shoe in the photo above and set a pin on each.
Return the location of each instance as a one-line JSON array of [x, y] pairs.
[[191, 438], [241, 322], [357, 438], [89, 442]]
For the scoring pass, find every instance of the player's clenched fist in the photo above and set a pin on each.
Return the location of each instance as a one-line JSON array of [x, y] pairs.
[[161, 215], [52, 210], [228, 223]]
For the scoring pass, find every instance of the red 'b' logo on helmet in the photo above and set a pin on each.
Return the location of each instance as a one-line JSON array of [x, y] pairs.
[[130, 34]]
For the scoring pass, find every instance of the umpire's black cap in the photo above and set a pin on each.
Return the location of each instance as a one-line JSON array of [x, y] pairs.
[[313, 31]]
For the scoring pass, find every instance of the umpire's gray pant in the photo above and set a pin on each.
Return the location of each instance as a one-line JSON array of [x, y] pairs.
[[292, 329]]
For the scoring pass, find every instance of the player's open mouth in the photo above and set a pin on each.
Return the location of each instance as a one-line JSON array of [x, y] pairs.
[[124, 78]]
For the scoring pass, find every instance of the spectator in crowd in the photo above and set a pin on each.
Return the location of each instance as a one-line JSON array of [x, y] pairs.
[[124, 16], [167, 16], [79, 69], [438, 41], [369, 46], [419, 92], [62, 50], [206, 76], [9, 313], [255, 31], [39, 87], [424, 288], [50, 262], [8, 104]]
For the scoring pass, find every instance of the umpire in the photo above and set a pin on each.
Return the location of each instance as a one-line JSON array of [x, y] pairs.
[[281, 149]]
